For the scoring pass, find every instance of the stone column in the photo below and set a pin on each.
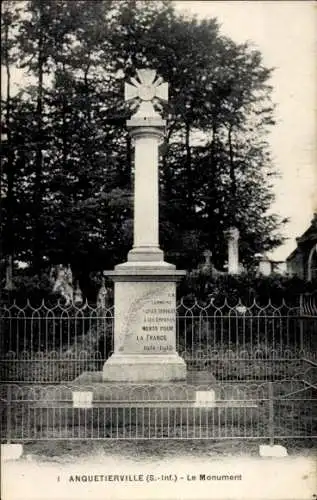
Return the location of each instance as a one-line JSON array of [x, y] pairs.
[[147, 135], [232, 235]]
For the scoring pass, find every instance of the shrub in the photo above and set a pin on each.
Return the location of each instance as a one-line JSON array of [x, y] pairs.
[[202, 285]]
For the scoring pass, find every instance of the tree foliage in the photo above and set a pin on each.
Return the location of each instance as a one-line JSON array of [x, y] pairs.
[[68, 164]]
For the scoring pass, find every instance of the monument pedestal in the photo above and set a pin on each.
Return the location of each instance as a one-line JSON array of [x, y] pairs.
[[145, 324], [144, 368]]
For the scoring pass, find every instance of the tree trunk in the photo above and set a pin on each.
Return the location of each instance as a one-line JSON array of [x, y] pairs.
[[189, 194], [213, 166], [233, 183], [9, 230], [38, 184], [87, 88]]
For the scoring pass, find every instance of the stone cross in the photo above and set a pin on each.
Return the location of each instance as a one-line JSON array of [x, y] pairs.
[[207, 254], [147, 89]]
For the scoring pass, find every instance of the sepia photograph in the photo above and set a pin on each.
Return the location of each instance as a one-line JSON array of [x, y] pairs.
[[158, 257]]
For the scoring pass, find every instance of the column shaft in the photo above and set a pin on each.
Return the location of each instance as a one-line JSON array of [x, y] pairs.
[[146, 192], [233, 257]]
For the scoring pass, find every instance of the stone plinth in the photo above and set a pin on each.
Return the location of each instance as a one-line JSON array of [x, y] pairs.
[[145, 324], [144, 368]]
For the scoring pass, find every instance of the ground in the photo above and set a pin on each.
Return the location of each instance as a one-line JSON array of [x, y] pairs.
[[169, 469]]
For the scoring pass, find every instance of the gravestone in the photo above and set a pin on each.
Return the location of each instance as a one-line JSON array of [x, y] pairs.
[[207, 254], [264, 265], [145, 285]]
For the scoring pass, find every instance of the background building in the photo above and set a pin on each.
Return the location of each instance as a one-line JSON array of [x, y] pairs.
[[302, 262]]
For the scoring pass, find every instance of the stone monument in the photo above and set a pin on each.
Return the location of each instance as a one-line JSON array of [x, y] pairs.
[[232, 235], [264, 265], [145, 285], [207, 254]]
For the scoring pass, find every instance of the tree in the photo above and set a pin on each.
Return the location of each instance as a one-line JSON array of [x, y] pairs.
[[76, 171], [9, 20]]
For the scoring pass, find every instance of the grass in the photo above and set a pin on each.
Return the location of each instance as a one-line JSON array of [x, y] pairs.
[[69, 451], [231, 362]]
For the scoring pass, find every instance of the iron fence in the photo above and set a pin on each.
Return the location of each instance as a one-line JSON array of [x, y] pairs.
[[271, 411], [56, 343]]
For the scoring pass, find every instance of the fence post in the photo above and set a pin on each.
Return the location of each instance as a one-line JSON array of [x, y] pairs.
[[271, 413], [9, 413], [301, 322]]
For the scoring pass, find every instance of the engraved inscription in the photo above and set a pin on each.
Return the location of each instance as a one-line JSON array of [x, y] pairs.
[[149, 324], [158, 325]]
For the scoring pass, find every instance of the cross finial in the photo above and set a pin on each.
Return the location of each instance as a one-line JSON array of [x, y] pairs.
[[146, 88], [207, 254]]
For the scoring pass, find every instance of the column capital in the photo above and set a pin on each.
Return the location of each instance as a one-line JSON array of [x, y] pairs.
[[140, 128]]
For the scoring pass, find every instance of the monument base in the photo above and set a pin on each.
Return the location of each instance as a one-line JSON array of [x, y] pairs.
[[145, 324], [144, 368]]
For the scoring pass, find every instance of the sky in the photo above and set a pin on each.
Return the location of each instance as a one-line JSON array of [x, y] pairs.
[[285, 32]]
